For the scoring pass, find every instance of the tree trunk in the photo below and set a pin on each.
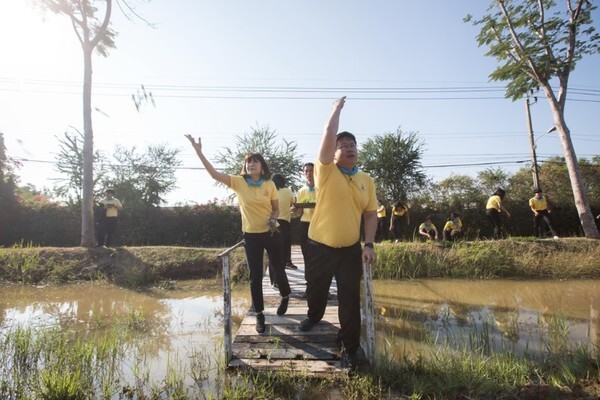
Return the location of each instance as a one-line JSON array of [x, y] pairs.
[[582, 203], [87, 205]]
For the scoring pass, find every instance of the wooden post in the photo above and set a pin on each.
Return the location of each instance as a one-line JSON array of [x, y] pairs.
[[227, 339], [227, 308], [369, 313]]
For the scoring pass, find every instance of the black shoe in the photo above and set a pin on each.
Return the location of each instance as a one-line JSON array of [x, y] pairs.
[[349, 361], [290, 266], [306, 325], [260, 323], [283, 305]]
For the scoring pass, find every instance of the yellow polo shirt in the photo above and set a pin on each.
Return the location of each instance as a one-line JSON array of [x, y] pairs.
[[255, 203], [111, 211], [341, 201], [381, 212], [451, 226], [538, 204], [286, 199], [494, 202], [400, 212], [305, 195]]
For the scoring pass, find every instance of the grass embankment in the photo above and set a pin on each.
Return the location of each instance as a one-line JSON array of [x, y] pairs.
[[139, 266]]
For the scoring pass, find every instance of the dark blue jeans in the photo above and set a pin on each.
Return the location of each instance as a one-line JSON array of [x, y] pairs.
[[345, 263], [255, 244]]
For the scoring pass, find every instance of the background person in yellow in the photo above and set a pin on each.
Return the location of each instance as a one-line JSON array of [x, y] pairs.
[[453, 228], [539, 205], [381, 221], [306, 194], [286, 201], [493, 209], [427, 230], [109, 218], [259, 206], [333, 249], [399, 220]]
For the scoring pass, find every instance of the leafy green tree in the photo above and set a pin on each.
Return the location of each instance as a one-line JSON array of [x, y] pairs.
[[458, 192], [142, 178], [491, 179], [538, 45], [394, 161], [282, 157], [69, 162]]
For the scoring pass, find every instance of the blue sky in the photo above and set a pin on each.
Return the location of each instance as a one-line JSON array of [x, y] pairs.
[[248, 52]]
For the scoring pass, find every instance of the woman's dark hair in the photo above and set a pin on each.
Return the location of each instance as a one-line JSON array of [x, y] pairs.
[[266, 171], [454, 215], [499, 192], [399, 203], [278, 180]]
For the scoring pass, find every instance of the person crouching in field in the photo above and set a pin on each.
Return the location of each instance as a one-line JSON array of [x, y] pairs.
[[427, 230], [259, 206], [453, 228], [541, 213]]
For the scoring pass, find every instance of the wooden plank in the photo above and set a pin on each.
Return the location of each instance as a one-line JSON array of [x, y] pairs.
[[283, 346], [311, 368]]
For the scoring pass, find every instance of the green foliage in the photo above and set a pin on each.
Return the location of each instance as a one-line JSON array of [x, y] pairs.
[[142, 179], [69, 162], [282, 157], [394, 161], [535, 40]]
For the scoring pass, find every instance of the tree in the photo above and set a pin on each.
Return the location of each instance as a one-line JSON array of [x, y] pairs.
[[143, 178], [458, 192], [491, 179], [69, 162], [536, 42], [91, 27], [394, 161], [282, 158]]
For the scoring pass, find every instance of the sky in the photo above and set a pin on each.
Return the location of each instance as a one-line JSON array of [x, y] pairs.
[[217, 69]]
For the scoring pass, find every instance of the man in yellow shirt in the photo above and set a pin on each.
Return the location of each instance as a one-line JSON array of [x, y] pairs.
[[333, 249], [109, 218], [306, 195], [539, 205]]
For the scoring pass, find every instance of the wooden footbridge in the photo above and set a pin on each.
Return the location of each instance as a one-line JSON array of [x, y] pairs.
[[284, 346]]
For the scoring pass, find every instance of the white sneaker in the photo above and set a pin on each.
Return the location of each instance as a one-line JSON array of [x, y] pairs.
[[556, 237]]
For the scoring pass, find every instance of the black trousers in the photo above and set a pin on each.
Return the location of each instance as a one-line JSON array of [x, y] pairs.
[[255, 244], [304, 237], [106, 231], [382, 228], [286, 240], [399, 225], [494, 218], [538, 228], [345, 264]]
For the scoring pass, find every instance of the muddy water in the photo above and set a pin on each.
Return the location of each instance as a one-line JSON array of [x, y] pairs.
[[521, 317], [532, 317]]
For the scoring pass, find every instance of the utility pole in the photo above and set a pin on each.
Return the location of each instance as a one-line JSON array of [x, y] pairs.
[[534, 168]]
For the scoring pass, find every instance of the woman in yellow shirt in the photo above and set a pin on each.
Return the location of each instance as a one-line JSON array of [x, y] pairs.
[[259, 206], [398, 220], [493, 209]]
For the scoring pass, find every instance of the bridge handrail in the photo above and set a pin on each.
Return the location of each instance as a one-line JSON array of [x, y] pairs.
[[227, 338]]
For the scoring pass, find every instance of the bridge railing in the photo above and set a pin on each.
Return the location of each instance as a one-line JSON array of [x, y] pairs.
[[227, 338]]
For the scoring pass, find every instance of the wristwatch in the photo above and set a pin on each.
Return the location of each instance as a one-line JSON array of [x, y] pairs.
[[369, 245]]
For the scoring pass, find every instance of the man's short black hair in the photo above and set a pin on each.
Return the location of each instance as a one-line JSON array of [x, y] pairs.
[[343, 135]]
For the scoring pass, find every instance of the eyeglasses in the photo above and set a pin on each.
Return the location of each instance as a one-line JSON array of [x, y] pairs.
[[347, 146]]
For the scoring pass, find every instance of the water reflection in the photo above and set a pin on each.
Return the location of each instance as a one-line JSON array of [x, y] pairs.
[[521, 317], [182, 326]]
